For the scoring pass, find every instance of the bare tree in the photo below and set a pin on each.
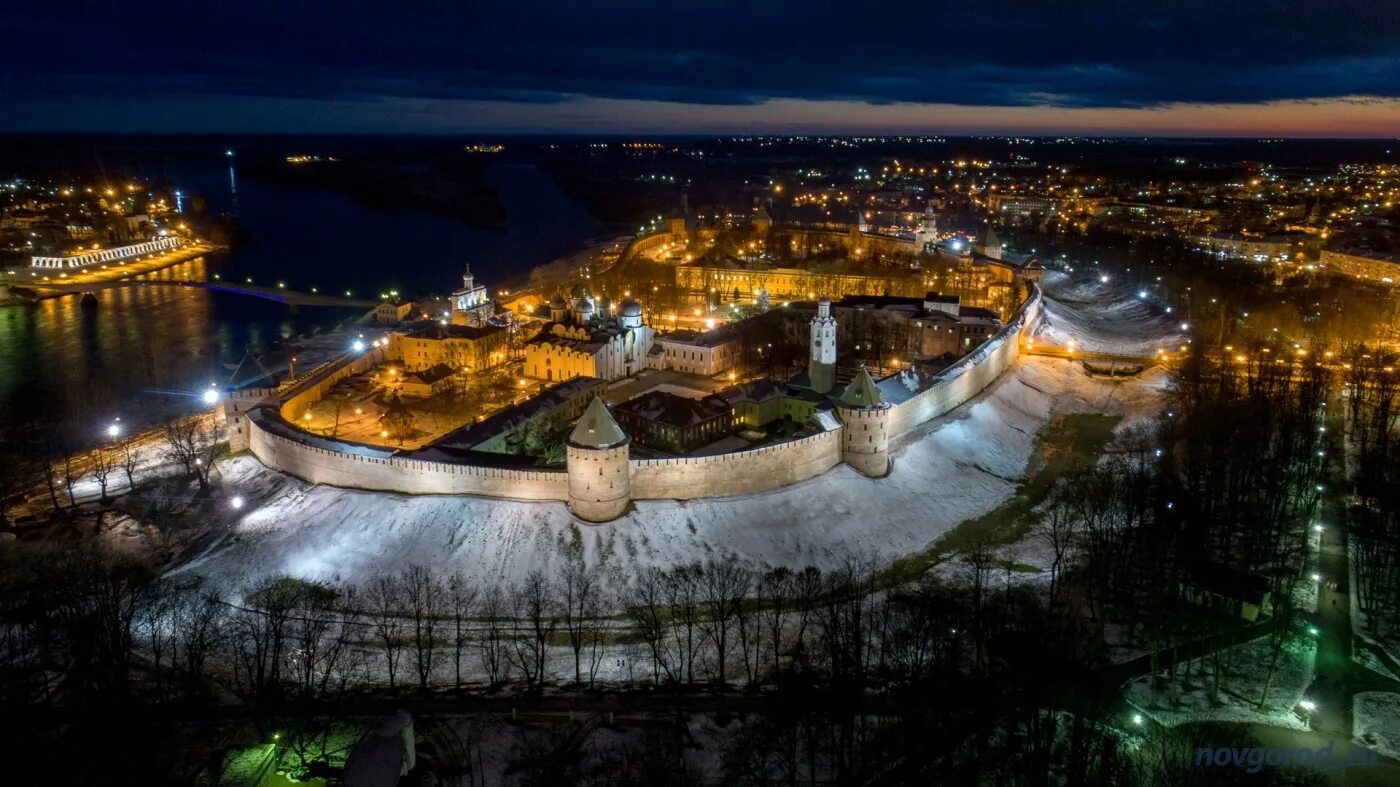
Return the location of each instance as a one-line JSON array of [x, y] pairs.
[[648, 610], [104, 463], [682, 589], [198, 623], [193, 442], [776, 590], [495, 613], [533, 604], [316, 636], [1058, 531], [260, 635], [129, 459], [724, 585], [461, 604], [384, 599], [422, 598], [157, 623], [580, 607]]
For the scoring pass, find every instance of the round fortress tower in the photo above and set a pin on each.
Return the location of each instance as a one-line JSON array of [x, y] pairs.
[[600, 481], [865, 436]]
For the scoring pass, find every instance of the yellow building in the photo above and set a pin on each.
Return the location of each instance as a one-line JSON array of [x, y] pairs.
[[728, 276], [1363, 264], [466, 348]]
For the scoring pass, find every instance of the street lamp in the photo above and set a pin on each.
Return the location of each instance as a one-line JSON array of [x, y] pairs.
[[114, 429], [236, 502], [210, 397]]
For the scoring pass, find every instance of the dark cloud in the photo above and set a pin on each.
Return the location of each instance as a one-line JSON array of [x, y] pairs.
[[1131, 53]]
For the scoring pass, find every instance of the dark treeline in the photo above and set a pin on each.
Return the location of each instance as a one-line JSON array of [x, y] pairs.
[[1372, 394]]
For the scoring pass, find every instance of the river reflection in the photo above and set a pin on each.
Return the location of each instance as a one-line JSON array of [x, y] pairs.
[[139, 351]]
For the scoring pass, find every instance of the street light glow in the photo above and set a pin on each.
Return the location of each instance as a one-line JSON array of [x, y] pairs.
[[236, 502], [210, 396]]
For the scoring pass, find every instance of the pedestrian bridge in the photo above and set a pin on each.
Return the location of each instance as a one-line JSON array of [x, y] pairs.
[[278, 294]]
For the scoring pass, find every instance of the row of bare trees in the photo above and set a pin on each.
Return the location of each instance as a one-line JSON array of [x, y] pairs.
[[1371, 385]]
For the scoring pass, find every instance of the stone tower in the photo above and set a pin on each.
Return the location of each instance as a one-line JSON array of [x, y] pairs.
[[865, 415], [927, 236], [821, 363], [600, 481], [992, 246]]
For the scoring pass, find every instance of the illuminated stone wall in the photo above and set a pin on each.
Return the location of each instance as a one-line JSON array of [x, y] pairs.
[[395, 474], [739, 473]]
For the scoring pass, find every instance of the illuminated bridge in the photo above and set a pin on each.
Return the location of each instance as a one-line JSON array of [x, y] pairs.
[[278, 294]]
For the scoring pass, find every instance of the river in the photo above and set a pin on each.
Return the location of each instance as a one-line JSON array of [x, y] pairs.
[[141, 351]]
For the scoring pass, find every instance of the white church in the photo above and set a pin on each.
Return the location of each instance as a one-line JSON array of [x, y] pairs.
[[471, 304], [584, 338]]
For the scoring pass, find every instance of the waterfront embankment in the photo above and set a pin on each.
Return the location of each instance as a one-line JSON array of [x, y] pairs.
[[19, 285]]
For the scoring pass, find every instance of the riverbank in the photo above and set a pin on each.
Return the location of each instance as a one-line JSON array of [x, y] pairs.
[[26, 285]]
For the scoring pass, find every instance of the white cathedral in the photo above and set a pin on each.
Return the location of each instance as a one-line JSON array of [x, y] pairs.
[[584, 338]]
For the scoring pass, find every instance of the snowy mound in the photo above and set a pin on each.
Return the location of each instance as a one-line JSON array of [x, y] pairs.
[[1108, 318]]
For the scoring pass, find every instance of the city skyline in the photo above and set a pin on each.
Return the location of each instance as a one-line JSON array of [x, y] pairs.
[[1317, 70]]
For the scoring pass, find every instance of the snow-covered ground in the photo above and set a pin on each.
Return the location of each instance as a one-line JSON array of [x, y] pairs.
[[1108, 318], [949, 470], [1182, 700], [1376, 722]]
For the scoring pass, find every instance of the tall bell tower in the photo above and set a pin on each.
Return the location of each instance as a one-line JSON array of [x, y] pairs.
[[927, 236], [821, 363]]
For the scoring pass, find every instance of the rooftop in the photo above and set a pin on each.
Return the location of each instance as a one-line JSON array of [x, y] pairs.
[[596, 428], [668, 408]]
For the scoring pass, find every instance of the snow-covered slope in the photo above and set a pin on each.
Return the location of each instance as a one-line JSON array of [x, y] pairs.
[[1109, 318]]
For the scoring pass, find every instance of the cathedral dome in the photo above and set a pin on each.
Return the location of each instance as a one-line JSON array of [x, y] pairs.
[[581, 290], [630, 308], [558, 302], [585, 306]]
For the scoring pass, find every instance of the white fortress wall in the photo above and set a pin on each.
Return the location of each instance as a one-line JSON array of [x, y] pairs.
[[410, 476], [739, 473], [971, 374]]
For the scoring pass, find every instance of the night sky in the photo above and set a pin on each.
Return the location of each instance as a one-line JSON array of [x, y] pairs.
[[1184, 67]]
